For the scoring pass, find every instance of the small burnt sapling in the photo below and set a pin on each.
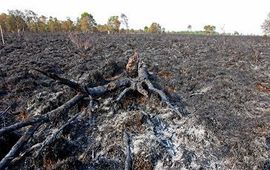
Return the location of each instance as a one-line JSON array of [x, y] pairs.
[[81, 42]]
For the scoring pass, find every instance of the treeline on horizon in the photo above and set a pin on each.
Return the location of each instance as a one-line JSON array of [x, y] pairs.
[[28, 20]]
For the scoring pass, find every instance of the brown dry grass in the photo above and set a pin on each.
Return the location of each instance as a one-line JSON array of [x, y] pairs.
[[263, 87], [165, 74], [142, 162]]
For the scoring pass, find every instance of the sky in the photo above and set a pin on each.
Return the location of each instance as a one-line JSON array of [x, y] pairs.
[[243, 16]]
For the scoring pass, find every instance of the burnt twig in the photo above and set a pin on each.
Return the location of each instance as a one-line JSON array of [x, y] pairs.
[[66, 106], [64, 81], [45, 118], [128, 161], [5, 111], [26, 152], [101, 90], [55, 134], [15, 149], [22, 124]]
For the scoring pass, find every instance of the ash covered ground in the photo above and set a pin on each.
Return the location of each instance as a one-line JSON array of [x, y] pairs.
[[221, 85]]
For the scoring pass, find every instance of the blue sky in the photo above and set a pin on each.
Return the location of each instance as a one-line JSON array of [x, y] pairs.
[[244, 16]]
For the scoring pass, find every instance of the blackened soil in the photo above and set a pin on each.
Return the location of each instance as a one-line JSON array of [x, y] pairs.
[[222, 81]]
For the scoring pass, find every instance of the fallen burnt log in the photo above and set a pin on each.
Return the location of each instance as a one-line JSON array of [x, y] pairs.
[[16, 148], [135, 78]]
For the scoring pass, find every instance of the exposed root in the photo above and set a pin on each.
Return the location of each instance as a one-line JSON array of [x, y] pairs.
[[16, 148], [55, 134], [65, 107], [137, 84], [22, 124], [5, 111], [36, 122], [123, 93], [101, 90], [128, 161], [62, 80], [26, 152]]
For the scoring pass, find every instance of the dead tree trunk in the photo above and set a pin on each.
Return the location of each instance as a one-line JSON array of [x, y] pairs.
[[2, 36]]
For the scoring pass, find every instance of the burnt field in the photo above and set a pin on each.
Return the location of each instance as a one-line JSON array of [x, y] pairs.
[[209, 108]]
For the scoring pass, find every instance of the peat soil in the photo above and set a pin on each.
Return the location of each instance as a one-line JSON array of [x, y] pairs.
[[220, 83]]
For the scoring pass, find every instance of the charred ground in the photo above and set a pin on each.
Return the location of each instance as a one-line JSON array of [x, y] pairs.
[[221, 84]]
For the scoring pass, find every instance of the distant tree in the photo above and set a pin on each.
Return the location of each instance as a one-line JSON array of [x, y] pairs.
[[209, 29], [54, 25], [140, 31], [67, 25], [31, 19], [16, 21], [102, 28], [155, 28], [114, 24], [42, 24], [124, 20], [87, 22], [132, 30], [189, 27], [163, 30], [266, 25], [77, 24], [4, 21], [223, 29], [236, 33], [145, 29]]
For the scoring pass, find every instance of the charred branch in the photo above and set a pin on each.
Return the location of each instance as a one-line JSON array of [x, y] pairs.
[[66, 106], [64, 81], [101, 90], [45, 118], [22, 124], [135, 78], [5, 111], [128, 161], [56, 134], [20, 143]]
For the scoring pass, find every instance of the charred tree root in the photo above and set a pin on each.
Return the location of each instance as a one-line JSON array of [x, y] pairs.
[[140, 83], [5, 111], [128, 161], [55, 134], [22, 124], [127, 82], [44, 118], [137, 84], [36, 122], [16, 148]]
